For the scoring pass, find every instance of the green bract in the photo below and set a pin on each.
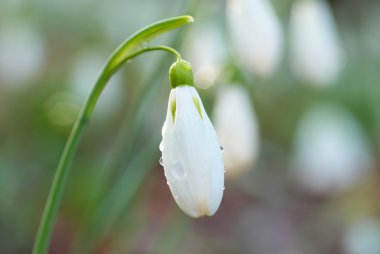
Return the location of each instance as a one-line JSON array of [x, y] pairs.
[[181, 74]]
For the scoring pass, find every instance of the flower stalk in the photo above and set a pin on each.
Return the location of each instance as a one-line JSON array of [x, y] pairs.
[[132, 47]]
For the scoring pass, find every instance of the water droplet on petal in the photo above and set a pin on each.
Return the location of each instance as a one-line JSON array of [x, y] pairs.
[[225, 170], [161, 161], [221, 149], [178, 171]]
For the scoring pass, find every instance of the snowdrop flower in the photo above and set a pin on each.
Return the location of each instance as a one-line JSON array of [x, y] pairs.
[[363, 237], [191, 155], [22, 53], [256, 35], [315, 47], [331, 152], [236, 126], [206, 51]]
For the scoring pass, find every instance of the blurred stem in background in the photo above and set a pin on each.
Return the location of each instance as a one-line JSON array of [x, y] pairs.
[[111, 209], [132, 47]]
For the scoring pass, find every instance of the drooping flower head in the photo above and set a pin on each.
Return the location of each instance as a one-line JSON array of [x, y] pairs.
[[191, 155]]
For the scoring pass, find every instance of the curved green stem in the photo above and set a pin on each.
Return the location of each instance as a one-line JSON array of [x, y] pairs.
[[132, 47], [161, 47]]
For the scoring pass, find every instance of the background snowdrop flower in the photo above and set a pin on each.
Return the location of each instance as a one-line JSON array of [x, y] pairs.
[[206, 52], [85, 67], [362, 237], [191, 155], [315, 47], [236, 126], [22, 53], [331, 152], [256, 35]]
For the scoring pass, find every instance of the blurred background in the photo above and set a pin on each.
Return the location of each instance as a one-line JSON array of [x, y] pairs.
[[293, 89]]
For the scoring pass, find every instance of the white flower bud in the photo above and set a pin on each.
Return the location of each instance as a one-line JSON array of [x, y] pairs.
[[315, 47], [22, 54], [191, 155], [256, 35], [331, 152], [236, 126]]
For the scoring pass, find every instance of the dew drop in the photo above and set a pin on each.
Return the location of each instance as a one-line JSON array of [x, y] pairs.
[[178, 171], [221, 149], [224, 170], [161, 161]]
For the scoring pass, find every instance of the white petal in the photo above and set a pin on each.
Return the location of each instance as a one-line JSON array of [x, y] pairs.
[[191, 155], [236, 126], [256, 35]]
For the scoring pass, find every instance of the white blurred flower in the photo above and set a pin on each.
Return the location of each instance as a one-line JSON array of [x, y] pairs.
[[363, 237], [191, 155], [256, 35], [206, 52], [236, 126], [22, 53], [85, 70], [315, 47], [331, 152]]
